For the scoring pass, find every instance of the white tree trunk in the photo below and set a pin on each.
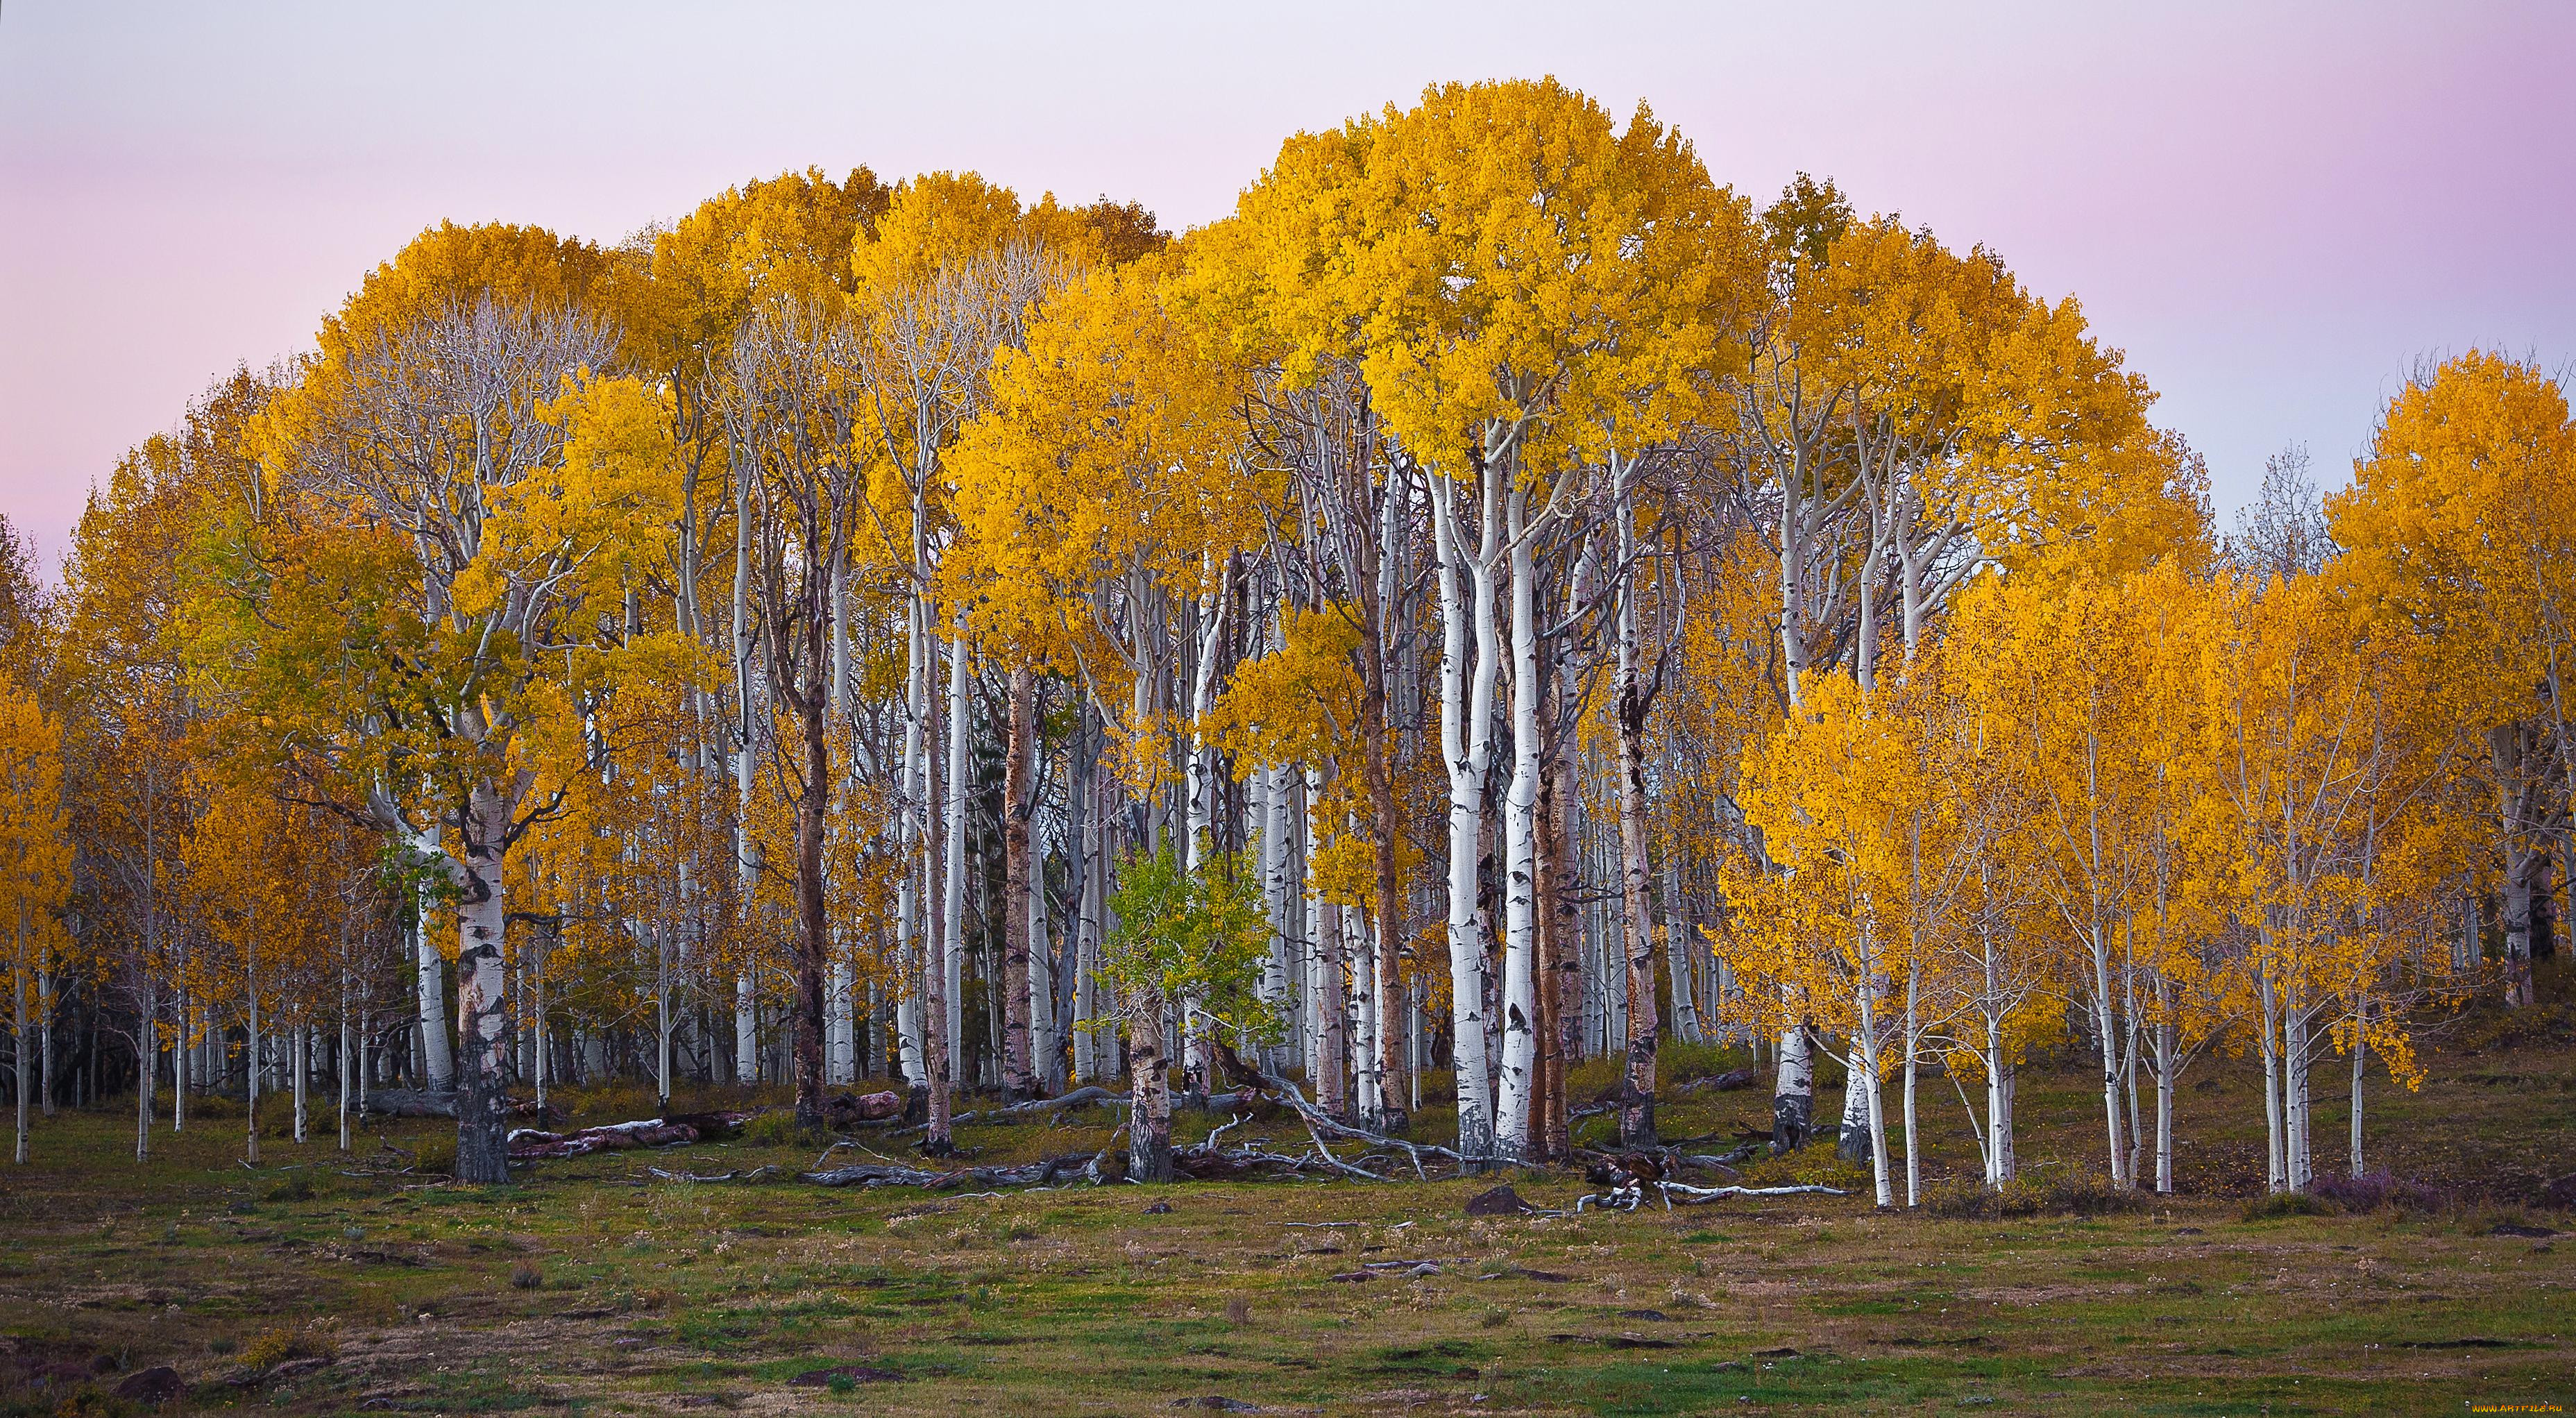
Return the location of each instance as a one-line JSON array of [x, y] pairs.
[[2360, 1053], [1046, 1051], [1084, 936], [1793, 1097], [952, 920], [2277, 1172], [1520, 856], [438, 1059], [18, 1037], [302, 1061], [1466, 739], [1361, 950]]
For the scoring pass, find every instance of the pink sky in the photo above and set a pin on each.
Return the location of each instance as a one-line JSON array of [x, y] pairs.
[[2275, 209]]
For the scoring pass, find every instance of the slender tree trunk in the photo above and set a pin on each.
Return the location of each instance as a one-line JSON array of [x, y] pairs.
[[1565, 944], [2277, 1172], [1046, 1049], [147, 1025], [814, 930], [2295, 1056], [1019, 1077], [1637, 1082], [438, 1058], [349, 1062], [45, 1041], [301, 1057], [2360, 1053], [1466, 733], [952, 895], [2107, 1028], [1378, 748], [1865, 1063], [250, 1041], [1913, 1051], [2506, 752], [1086, 924], [18, 1038], [1513, 1113]]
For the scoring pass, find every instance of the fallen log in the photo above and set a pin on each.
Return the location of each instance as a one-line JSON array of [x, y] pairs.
[[890, 1174], [532, 1144], [409, 1103], [423, 1103], [842, 1110]]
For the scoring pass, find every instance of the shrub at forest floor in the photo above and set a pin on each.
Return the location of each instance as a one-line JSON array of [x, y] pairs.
[[588, 1286]]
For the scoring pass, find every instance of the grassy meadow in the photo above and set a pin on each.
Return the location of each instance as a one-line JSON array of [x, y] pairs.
[[322, 1283]]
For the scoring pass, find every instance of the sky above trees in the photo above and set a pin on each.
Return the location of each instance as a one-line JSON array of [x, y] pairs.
[[2275, 210]]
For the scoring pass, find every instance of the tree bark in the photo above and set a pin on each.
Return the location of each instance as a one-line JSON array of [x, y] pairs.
[[1018, 801], [1149, 1091], [1466, 735], [482, 1154], [438, 1058], [1793, 1097]]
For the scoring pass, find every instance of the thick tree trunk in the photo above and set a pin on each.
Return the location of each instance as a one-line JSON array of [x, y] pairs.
[[1793, 1096], [1851, 1136], [482, 1154], [2506, 751], [1019, 1079], [1149, 1090], [1466, 735]]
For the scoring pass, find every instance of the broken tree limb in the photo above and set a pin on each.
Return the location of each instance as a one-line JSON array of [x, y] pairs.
[[1321, 1121], [755, 1174], [1692, 1194], [1075, 1099]]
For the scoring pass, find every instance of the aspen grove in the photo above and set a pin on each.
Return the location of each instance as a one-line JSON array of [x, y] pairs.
[[1497, 600]]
